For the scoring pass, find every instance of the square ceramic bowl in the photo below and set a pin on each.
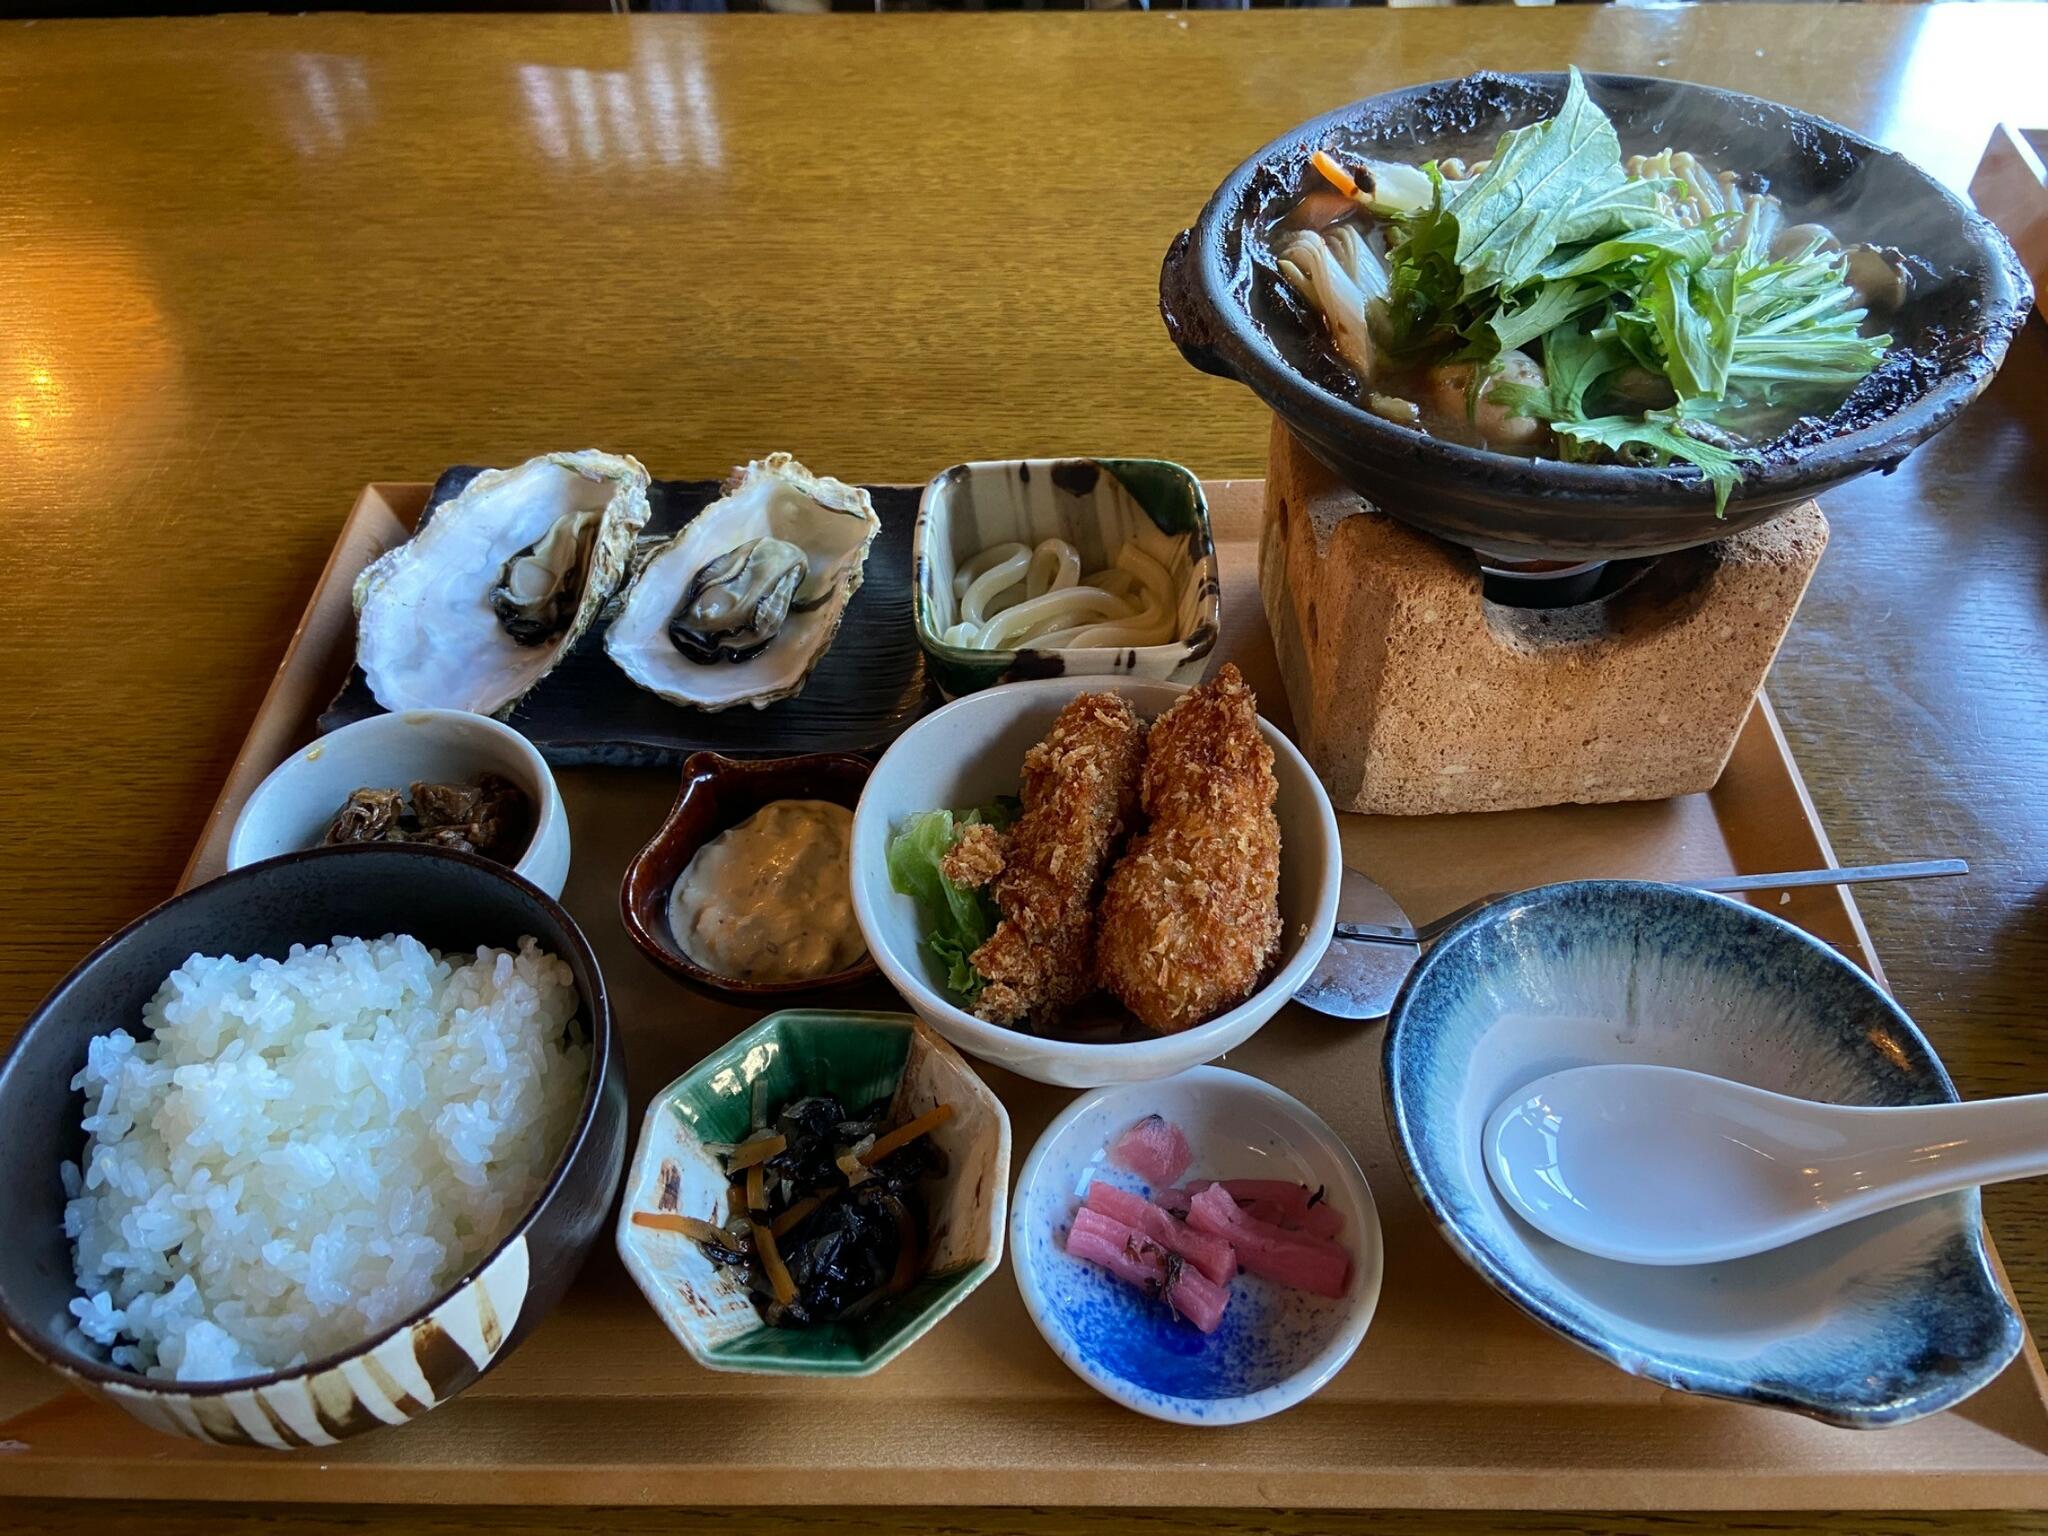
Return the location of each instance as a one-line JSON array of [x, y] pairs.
[[860, 1057], [1878, 1322], [1096, 505], [972, 751]]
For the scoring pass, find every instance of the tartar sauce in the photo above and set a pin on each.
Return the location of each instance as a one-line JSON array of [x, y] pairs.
[[772, 899]]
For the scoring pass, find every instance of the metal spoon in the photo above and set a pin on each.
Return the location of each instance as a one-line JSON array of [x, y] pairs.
[[1359, 978], [1374, 945], [1659, 1165]]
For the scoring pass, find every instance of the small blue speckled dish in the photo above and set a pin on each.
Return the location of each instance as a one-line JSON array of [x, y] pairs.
[[1879, 1322], [1275, 1346], [1096, 505]]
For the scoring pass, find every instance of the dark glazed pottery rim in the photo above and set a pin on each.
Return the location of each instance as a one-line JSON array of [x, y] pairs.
[[1652, 1367], [1207, 274], [602, 1044], [661, 861]]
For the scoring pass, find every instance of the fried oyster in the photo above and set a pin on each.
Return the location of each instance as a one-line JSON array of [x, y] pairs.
[[1079, 792]]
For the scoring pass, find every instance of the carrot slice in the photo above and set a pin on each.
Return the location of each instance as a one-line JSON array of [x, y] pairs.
[[795, 1214], [772, 1265], [1334, 173], [906, 1133], [909, 1261], [757, 1189], [689, 1226], [758, 1150]]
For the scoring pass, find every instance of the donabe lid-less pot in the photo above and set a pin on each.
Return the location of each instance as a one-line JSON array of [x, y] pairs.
[[1952, 335]]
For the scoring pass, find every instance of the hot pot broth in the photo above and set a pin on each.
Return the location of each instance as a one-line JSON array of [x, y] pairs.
[[1545, 293]]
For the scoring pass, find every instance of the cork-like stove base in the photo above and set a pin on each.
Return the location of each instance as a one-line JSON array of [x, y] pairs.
[[1414, 695]]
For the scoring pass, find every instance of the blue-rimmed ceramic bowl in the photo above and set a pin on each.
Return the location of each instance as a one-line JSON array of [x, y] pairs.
[[1096, 505], [1275, 1347], [1879, 1322]]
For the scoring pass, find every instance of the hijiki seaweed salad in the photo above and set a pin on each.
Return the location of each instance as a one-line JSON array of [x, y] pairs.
[[826, 1216], [1560, 299]]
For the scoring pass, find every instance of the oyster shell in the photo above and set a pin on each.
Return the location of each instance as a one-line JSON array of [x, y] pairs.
[[741, 605], [480, 605]]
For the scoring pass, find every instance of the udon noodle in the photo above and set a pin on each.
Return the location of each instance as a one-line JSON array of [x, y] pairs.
[[1012, 596]]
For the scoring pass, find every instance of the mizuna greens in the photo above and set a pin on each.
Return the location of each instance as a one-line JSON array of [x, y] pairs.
[[1639, 311]]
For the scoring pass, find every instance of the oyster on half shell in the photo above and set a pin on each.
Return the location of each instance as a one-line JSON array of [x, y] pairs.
[[742, 604], [480, 604]]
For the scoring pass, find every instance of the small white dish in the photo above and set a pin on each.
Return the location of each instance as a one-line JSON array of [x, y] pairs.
[[292, 808], [973, 750], [1275, 1347]]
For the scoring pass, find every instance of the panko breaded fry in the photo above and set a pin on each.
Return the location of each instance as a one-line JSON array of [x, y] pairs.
[[1191, 915], [975, 858], [1080, 789]]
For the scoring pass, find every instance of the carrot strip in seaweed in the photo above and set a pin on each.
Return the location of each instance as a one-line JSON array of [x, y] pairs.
[[771, 1264], [795, 1214], [906, 1133], [688, 1226], [757, 1150], [757, 1189]]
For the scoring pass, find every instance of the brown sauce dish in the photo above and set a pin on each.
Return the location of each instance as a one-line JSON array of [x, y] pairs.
[[717, 794]]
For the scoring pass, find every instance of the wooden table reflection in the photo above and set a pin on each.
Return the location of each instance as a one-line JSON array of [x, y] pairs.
[[248, 264]]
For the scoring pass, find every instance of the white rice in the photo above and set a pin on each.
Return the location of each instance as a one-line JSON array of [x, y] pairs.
[[297, 1154]]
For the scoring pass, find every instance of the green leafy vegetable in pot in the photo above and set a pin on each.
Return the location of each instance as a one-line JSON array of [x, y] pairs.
[[1562, 299]]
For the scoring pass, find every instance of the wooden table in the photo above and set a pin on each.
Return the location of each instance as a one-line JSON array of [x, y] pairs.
[[248, 264]]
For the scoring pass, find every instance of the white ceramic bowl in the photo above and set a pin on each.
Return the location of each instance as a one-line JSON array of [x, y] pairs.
[[973, 750], [1275, 1346], [291, 809]]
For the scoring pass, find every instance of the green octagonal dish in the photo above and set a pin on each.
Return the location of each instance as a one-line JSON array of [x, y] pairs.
[[860, 1057]]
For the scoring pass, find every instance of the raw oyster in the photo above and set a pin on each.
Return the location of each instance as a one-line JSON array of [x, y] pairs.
[[481, 604], [537, 591], [736, 605], [740, 605]]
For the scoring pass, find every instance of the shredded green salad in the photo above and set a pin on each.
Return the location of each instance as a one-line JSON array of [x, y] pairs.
[[1557, 246], [956, 921]]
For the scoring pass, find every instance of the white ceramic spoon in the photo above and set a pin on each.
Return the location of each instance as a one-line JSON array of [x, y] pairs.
[[1658, 1165]]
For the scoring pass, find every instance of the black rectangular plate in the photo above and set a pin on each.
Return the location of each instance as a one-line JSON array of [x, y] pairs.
[[867, 690]]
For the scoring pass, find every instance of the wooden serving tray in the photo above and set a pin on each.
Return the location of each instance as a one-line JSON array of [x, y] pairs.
[[1456, 1400]]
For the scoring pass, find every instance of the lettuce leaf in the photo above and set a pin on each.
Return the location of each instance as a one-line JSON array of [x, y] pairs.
[[957, 922]]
